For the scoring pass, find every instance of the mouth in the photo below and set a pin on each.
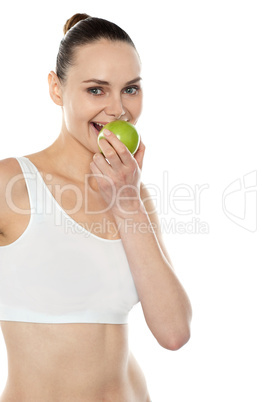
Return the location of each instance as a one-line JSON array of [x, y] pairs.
[[98, 126]]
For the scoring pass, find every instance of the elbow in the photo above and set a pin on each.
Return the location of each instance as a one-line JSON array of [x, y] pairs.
[[176, 341]]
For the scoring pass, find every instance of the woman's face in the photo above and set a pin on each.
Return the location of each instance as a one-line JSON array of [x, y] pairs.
[[102, 86]]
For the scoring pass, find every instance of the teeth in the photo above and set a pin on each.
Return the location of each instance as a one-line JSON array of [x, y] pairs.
[[101, 125]]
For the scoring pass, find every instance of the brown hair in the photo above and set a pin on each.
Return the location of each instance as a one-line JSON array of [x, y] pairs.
[[81, 29]]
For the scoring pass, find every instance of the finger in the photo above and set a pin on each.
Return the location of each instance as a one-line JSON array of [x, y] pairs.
[[121, 150], [94, 168], [102, 164], [110, 153], [140, 153]]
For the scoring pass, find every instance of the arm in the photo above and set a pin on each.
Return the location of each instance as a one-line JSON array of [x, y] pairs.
[[166, 307], [8, 169], [165, 304]]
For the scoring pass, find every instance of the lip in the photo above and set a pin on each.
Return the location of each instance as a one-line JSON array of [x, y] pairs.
[[101, 122], [93, 127], [106, 122]]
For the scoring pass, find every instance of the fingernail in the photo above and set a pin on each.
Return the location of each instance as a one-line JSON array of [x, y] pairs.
[[106, 132]]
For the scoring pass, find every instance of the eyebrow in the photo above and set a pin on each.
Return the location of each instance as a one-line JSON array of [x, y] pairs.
[[100, 82]]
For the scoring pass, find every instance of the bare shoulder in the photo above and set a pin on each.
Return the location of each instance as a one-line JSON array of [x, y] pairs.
[[9, 166], [9, 170]]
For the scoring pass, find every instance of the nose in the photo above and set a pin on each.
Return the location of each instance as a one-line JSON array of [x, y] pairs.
[[115, 107]]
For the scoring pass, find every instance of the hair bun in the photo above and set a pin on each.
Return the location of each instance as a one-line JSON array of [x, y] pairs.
[[74, 20]]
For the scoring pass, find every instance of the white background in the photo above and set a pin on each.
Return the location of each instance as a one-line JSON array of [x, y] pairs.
[[201, 124]]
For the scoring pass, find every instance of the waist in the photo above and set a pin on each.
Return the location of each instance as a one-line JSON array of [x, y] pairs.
[[71, 362], [130, 386]]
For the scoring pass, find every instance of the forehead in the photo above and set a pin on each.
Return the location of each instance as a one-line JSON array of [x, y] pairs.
[[106, 60]]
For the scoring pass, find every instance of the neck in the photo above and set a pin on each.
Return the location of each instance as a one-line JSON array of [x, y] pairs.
[[70, 158]]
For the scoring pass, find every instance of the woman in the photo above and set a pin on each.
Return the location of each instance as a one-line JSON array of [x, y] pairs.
[[80, 243]]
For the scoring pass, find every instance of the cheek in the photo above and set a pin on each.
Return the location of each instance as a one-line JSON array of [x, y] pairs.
[[77, 110], [137, 107], [86, 108], [74, 116], [134, 105]]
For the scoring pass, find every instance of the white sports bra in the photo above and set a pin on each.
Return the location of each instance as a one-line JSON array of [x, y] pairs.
[[58, 272]]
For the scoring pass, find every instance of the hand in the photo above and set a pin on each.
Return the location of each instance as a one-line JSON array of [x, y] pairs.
[[118, 174]]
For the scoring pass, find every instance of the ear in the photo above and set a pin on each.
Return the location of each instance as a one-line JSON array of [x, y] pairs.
[[55, 89]]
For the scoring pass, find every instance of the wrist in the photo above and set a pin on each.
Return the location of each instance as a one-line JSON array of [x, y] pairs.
[[135, 221], [130, 209]]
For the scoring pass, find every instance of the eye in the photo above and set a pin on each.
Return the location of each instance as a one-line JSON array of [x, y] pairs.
[[132, 90], [95, 91]]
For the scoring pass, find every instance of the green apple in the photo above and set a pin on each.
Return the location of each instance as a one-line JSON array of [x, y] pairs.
[[125, 132]]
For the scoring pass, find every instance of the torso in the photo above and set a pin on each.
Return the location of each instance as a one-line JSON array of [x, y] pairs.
[[67, 362]]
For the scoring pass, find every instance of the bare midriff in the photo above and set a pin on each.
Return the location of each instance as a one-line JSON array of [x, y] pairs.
[[71, 363]]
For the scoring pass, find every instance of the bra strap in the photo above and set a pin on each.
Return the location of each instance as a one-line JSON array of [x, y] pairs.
[[33, 184]]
